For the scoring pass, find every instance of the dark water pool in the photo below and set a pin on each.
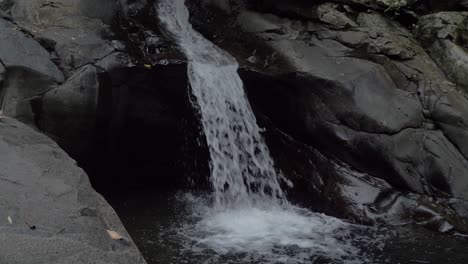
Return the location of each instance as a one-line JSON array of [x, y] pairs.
[[174, 228]]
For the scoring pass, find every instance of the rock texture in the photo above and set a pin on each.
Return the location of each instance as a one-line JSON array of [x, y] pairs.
[[445, 35], [28, 70], [349, 80], [369, 97], [58, 57], [48, 211]]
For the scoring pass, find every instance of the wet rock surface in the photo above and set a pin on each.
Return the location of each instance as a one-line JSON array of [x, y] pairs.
[[48, 209], [356, 85]]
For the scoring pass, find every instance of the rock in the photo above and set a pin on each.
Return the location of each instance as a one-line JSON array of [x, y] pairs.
[[384, 154], [330, 186], [19, 51], [75, 37], [356, 85], [450, 5], [328, 13], [2, 79], [69, 113], [56, 216], [349, 92], [2, 75], [131, 8], [75, 30], [28, 71], [2, 72], [444, 35], [425, 160]]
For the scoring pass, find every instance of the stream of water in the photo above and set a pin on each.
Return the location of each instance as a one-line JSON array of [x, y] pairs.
[[248, 215], [242, 170]]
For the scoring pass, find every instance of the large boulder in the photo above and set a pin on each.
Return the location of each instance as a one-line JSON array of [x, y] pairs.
[[355, 85], [48, 210], [367, 82], [20, 51], [27, 71], [445, 36], [59, 57], [329, 185]]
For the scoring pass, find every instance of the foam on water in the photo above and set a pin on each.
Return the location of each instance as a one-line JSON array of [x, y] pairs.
[[278, 234]]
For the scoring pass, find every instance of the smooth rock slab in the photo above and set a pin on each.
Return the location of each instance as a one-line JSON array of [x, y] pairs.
[[49, 213], [19, 51]]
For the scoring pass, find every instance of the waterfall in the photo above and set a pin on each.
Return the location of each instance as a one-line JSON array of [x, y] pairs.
[[242, 170], [251, 221]]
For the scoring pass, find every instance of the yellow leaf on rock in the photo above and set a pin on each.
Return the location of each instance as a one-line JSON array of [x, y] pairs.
[[114, 235]]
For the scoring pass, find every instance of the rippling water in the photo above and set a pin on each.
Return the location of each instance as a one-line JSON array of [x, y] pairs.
[[199, 233]]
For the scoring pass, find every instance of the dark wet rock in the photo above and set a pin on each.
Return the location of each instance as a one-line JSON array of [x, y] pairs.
[[443, 35], [48, 210], [146, 125], [357, 86], [70, 111], [2, 74], [328, 185], [74, 39], [302, 8], [324, 60], [148, 43], [450, 5], [131, 8]]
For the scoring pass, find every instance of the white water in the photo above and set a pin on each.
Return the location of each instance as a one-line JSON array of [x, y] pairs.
[[250, 214], [286, 234], [242, 170]]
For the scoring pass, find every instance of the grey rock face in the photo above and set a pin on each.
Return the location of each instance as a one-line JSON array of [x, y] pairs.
[[48, 211], [358, 85], [53, 53], [69, 111], [75, 30], [331, 186], [131, 8], [375, 97], [2, 74], [20, 51], [445, 36], [28, 71]]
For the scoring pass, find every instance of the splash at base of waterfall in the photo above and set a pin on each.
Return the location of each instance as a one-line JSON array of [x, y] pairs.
[[265, 234]]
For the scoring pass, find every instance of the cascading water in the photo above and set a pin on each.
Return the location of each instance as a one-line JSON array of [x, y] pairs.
[[251, 216], [241, 167]]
